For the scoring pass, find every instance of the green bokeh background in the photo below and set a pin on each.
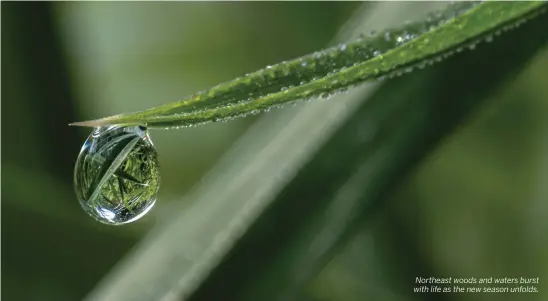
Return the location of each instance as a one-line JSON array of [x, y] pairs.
[[476, 206]]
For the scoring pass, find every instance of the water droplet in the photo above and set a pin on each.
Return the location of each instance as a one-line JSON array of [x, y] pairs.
[[377, 53], [342, 47], [489, 39], [343, 90], [472, 46], [117, 174]]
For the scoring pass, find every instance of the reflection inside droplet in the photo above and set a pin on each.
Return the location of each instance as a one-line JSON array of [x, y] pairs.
[[116, 177]]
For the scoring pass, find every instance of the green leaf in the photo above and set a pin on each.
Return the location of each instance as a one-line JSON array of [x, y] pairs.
[[335, 69]]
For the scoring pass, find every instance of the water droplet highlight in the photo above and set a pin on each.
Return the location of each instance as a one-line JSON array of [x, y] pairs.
[[117, 174]]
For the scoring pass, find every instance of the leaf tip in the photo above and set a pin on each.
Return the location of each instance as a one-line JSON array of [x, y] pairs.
[[91, 123]]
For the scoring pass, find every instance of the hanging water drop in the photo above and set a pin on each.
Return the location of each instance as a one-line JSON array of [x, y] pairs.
[[117, 176]]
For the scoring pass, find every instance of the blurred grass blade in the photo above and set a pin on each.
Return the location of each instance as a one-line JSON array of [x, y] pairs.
[[330, 71], [351, 176]]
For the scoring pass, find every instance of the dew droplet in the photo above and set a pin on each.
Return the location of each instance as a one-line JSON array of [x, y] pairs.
[[117, 174]]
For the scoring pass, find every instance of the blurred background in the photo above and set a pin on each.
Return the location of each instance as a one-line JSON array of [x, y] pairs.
[[477, 205]]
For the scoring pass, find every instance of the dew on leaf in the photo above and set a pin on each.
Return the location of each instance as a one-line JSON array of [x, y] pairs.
[[117, 175]]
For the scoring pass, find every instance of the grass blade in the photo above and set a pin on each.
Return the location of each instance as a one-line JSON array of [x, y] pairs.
[[326, 72]]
